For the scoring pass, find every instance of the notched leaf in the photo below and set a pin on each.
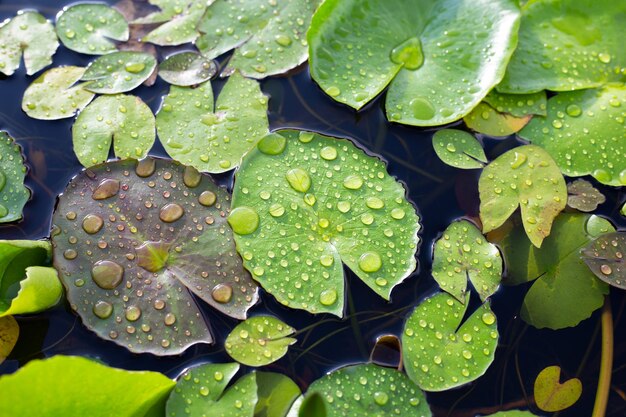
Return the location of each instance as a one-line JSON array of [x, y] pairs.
[[582, 196], [551, 395], [459, 149], [187, 68], [118, 72]]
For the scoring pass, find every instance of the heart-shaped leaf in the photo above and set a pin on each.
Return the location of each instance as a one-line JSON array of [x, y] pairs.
[[488, 121], [187, 68], [459, 149], [30, 34], [527, 177], [582, 196], [213, 138], [303, 203], [38, 291], [441, 351], [518, 105], [134, 240], [584, 133], [551, 395], [179, 18], [440, 57], [168, 9], [9, 333], [127, 119], [118, 72], [13, 192], [605, 257], [91, 28], [276, 393]]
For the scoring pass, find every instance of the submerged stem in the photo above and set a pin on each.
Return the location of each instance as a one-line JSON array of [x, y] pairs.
[[606, 361]]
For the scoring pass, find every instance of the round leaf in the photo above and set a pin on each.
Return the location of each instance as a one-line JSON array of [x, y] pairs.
[[518, 105], [180, 20], [9, 333], [488, 121], [605, 257], [187, 68], [13, 192], [118, 72], [551, 395], [459, 149], [276, 393], [582, 196]]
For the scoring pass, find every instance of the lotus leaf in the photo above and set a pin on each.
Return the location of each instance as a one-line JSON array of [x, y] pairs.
[[38, 291], [187, 68], [459, 149], [582, 196], [13, 192], [488, 121], [118, 72], [179, 17], [9, 333], [276, 393], [605, 257], [551, 395], [518, 105]]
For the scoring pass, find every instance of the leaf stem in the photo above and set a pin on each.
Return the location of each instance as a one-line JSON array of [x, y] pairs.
[[606, 361]]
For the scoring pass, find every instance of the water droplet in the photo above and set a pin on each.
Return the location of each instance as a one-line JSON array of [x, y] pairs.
[[283, 40], [133, 313], [306, 137], [243, 220], [135, 67], [70, 254], [333, 91], [329, 153], [422, 108], [145, 167], [328, 297], [370, 262], [106, 189], [92, 224], [488, 318], [397, 213], [222, 293], [298, 179], [207, 198], [408, 53], [103, 309], [277, 210], [605, 269], [573, 110], [171, 212], [381, 398], [374, 203], [191, 177], [107, 274], [169, 319], [353, 182], [519, 160], [604, 57], [272, 144]]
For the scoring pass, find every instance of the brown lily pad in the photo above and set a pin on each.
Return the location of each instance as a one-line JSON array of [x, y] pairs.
[[605, 257]]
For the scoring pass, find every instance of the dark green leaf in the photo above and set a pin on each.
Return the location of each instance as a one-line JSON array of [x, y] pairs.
[[276, 393], [605, 257], [13, 192], [459, 149]]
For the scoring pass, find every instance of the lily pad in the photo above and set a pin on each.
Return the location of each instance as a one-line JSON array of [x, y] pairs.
[[527, 177], [187, 68], [127, 119], [55, 95], [518, 105], [213, 138], [584, 133], [259, 341], [463, 254], [40, 290], [513, 413], [9, 333], [605, 257], [582, 196], [303, 203], [551, 395], [118, 72], [179, 18], [13, 192], [488, 121], [91, 28], [31, 35], [75, 386], [276, 393], [442, 352], [134, 240], [459, 149], [270, 37], [441, 58]]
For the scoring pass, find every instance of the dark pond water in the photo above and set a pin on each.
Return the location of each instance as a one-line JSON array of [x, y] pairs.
[[441, 194]]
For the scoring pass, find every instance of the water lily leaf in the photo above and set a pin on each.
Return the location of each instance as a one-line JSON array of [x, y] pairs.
[[13, 192], [180, 20], [187, 68], [119, 72], [567, 45], [463, 254], [55, 95], [581, 195], [584, 133], [623, 210], [9, 333], [213, 138], [201, 391], [134, 240], [31, 34], [440, 57], [551, 395], [91, 28], [127, 119], [459, 149], [303, 203], [605, 257], [276, 393], [311, 406], [40, 290], [75, 386], [513, 413], [167, 10], [527, 177], [518, 105], [565, 291], [270, 37], [440, 352], [488, 121]]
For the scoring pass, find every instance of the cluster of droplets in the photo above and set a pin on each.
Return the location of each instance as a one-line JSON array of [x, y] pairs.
[[583, 196], [259, 341], [605, 257], [119, 72], [13, 193]]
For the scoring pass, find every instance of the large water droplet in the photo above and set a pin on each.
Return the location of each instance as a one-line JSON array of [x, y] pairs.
[[106, 189], [370, 262], [408, 53], [243, 220], [107, 274], [298, 179]]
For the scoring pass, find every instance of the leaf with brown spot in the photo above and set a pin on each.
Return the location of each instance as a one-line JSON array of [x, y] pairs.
[[9, 332], [551, 395]]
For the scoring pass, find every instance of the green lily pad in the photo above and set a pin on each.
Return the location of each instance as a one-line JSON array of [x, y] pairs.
[[463, 254], [134, 240], [276, 393], [584, 133], [55, 95], [30, 34], [270, 37], [441, 352], [180, 20], [118, 72], [459, 149], [259, 341], [311, 406], [40, 290], [550, 395], [605, 257], [512, 413], [91, 28], [527, 177], [567, 45], [187, 68], [488, 121], [518, 105], [75, 386], [127, 119], [13, 192], [303, 203], [582, 196], [201, 391], [9, 333], [213, 138], [441, 58], [167, 10]]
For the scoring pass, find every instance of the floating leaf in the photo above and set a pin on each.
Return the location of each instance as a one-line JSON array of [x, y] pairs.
[[276, 393], [187, 68], [127, 119], [605, 257], [54, 94], [270, 37], [584, 133], [440, 352], [40, 290], [118, 72], [488, 121], [463, 253], [133, 241], [311, 406], [259, 341], [623, 210], [75, 386], [551, 395], [90, 28], [567, 45], [13, 192], [213, 138], [518, 105], [304, 203], [527, 177], [200, 392], [459, 149], [180, 20], [441, 58], [9, 333], [167, 10], [512, 413], [581, 195]]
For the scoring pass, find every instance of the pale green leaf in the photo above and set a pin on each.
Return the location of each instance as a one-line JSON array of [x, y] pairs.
[[459, 149], [40, 290], [518, 105], [9, 333], [187, 68], [551, 395], [488, 121], [276, 393], [118, 72], [180, 21]]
